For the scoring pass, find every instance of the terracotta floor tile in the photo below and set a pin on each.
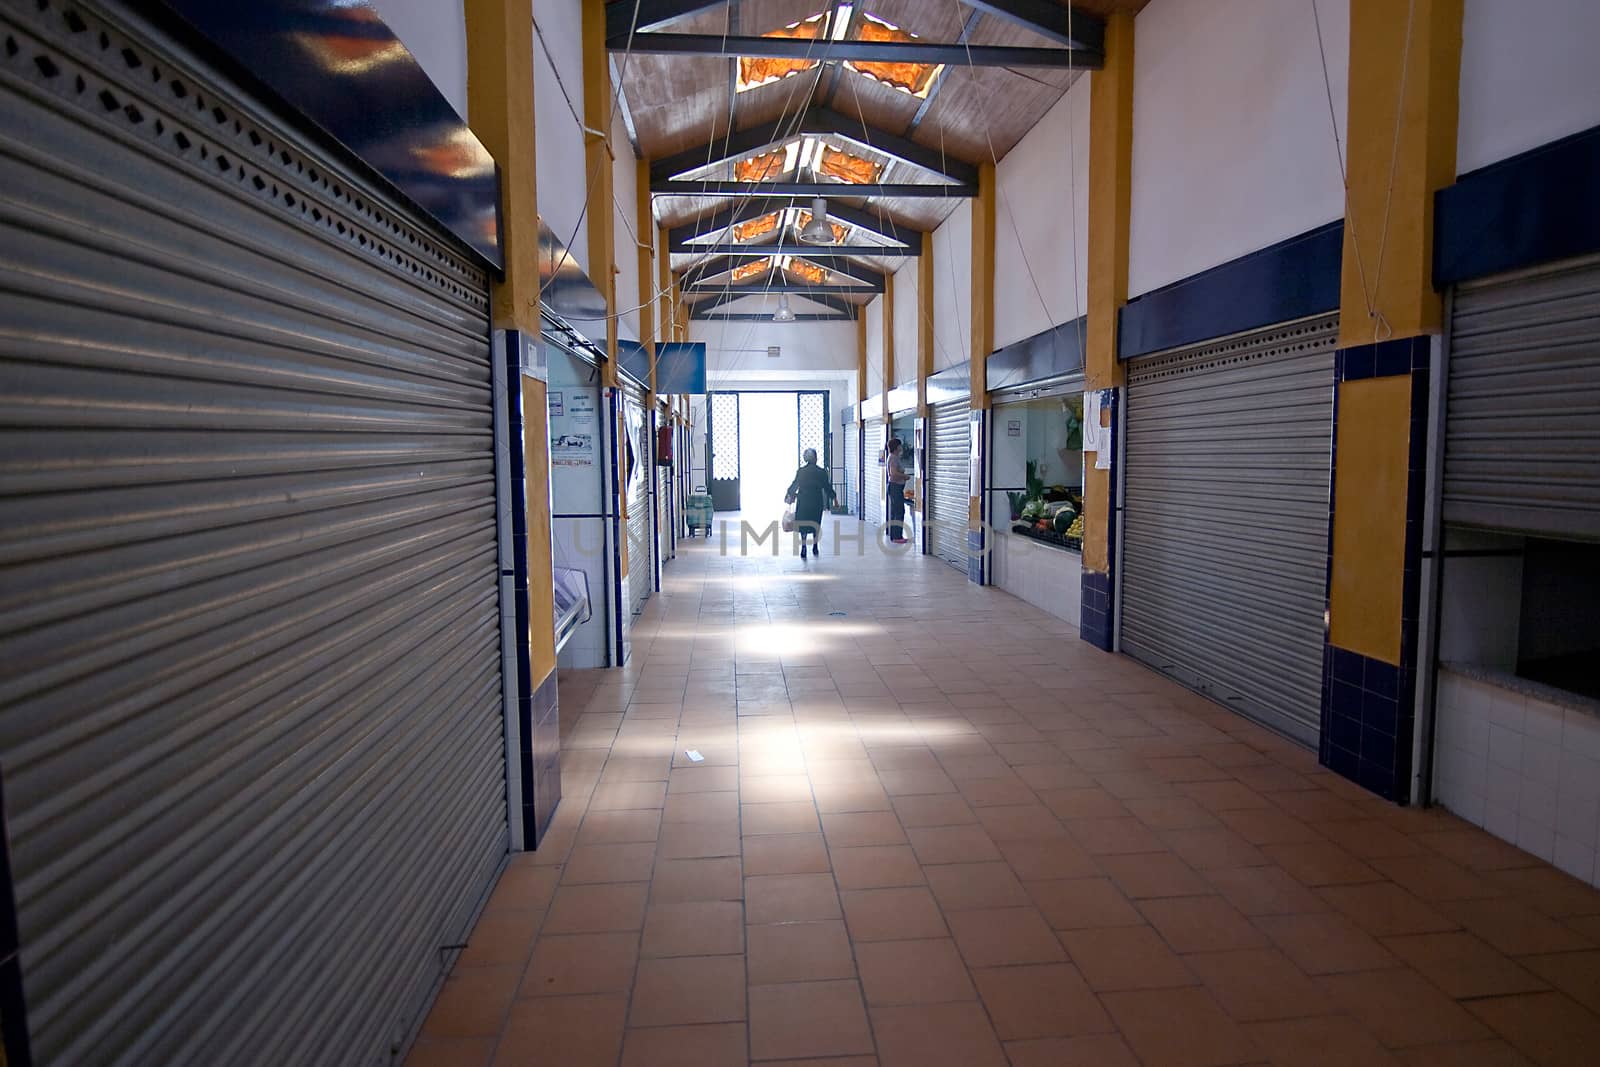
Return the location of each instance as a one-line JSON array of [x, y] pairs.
[[952, 844], [784, 818], [501, 939], [1258, 984], [799, 952], [911, 783], [1180, 1028], [626, 796], [620, 769], [892, 914], [1576, 974], [581, 1031], [1090, 802], [1170, 813], [1490, 1053], [1324, 943], [850, 797], [913, 972], [1369, 838], [698, 840], [964, 886], [941, 1035], [619, 827], [1223, 796], [1400, 1008], [1051, 859], [1552, 892], [695, 928], [1319, 863], [1463, 965], [933, 809], [1132, 957], [581, 963], [1114, 837], [700, 807], [1384, 909], [1045, 1000], [1546, 1027], [589, 909], [876, 867], [609, 863], [450, 1052], [472, 1002], [1514, 928], [1434, 878], [1053, 775], [775, 789], [1326, 1041], [1475, 849], [714, 1045], [1153, 874], [703, 778], [1083, 903], [996, 792], [808, 1019], [786, 854], [852, 829], [1093, 1050], [1265, 891], [1025, 822], [1001, 937], [1214, 848], [688, 989], [677, 881], [778, 898], [1202, 924]]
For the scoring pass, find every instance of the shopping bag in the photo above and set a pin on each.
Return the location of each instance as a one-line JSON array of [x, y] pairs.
[[788, 520]]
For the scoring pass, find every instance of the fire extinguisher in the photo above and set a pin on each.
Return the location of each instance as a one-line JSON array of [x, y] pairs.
[[664, 446]]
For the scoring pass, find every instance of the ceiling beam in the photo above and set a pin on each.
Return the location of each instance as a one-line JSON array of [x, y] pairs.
[[789, 248], [817, 121], [710, 44], [902, 190], [710, 268], [620, 20], [727, 295], [938, 83], [805, 289], [745, 316], [1075, 29], [679, 236]]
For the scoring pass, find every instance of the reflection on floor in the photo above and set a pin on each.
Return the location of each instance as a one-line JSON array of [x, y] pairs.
[[933, 827]]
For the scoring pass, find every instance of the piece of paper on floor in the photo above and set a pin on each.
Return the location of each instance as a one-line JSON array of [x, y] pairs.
[[693, 754]]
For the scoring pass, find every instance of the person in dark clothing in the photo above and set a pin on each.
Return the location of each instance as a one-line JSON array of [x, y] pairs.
[[896, 475], [810, 493]]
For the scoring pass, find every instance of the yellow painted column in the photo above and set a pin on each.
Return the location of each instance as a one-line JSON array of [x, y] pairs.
[[1405, 67], [500, 100], [597, 106], [981, 339], [1110, 205], [924, 322], [666, 285], [645, 226], [861, 360]]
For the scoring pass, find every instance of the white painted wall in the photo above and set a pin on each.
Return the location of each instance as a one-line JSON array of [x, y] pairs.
[[625, 190], [907, 316], [435, 32], [561, 179], [952, 288], [1041, 247], [1233, 146], [737, 351], [1528, 76], [874, 316]]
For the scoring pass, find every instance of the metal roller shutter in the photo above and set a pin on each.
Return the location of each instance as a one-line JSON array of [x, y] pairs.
[[852, 467], [872, 474], [950, 480], [664, 527], [250, 703], [1225, 520], [635, 427], [1523, 407]]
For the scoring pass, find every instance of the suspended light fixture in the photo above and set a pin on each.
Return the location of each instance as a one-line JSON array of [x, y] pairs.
[[819, 231], [784, 312]]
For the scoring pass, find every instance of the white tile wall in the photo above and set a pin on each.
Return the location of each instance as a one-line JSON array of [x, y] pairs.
[[1523, 768], [1049, 578]]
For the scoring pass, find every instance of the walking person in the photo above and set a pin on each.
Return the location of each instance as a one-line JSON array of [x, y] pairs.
[[896, 475], [810, 493]]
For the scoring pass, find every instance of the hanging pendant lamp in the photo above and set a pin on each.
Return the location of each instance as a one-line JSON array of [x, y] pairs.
[[819, 231], [784, 312]]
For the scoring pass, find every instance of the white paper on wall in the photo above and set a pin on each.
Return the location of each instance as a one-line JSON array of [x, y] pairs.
[[1102, 458], [1091, 421]]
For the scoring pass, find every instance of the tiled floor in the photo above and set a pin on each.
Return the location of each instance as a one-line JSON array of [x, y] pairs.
[[932, 827]]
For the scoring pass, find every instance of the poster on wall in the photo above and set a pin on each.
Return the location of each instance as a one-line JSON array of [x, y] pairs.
[[572, 429], [572, 450]]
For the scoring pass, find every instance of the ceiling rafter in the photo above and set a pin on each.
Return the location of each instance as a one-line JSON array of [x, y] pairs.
[[1075, 29], [652, 13], [721, 264], [805, 289], [727, 294], [678, 237], [746, 316], [710, 44], [816, 122], [903, 190], [791, 248]]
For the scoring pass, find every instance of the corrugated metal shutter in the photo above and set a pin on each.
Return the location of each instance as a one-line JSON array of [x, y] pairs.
[[872, 474], [635, 427], [250, 704], [664, 525], [1225, 542], [1522, 431], [852, 467], [950, 480]]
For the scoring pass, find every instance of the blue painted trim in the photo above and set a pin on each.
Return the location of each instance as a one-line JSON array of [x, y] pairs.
[[1290, 280], [1050, 353], [1537, 207], [387, 112]]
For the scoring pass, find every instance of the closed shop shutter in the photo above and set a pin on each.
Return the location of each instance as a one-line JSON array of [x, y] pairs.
[[636, 429], [1522, 429], [1225, 547], [950, 480], [665, 501], [872, 474], [250, 703], [852, 467]]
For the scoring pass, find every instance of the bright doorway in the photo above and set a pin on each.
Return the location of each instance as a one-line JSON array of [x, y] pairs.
[[769, 452]]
